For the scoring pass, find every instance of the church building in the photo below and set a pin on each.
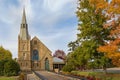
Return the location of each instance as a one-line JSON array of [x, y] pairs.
[[32, 53]]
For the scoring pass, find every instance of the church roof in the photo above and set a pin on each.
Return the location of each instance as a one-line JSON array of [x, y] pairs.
[[36, 38], [58, 60]]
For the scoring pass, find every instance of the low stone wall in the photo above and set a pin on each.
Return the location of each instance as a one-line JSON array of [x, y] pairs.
[[36, 76], [40, 76]]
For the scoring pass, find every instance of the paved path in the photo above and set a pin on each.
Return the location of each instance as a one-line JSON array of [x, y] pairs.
[[54, 76], [31, 77]]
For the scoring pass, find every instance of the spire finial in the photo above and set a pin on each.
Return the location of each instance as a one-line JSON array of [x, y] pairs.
[[24, 17]]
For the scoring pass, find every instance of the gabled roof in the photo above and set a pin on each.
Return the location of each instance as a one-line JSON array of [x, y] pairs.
[[36, 38]]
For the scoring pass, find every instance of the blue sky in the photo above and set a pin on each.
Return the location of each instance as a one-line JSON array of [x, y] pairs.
[[54, 22]]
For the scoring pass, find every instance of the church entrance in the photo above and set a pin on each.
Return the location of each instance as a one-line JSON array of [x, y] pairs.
[[46, 64]]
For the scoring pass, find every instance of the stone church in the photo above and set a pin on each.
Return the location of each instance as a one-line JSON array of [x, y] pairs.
[[32, 53]]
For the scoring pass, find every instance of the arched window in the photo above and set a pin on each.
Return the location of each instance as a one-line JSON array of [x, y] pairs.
[[35, 55]]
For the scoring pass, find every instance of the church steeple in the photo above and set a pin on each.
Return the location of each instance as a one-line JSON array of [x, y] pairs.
[[24, 17], [24, 35]]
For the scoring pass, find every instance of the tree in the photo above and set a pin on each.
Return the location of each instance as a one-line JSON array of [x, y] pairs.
[[5, 54], [73, 45], [111, 47], [91, 32], [1, 67], [60, 54], [8, 67], [11, 68], [69, 66]]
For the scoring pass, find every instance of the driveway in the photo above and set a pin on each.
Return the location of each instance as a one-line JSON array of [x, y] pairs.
[[53, 76]]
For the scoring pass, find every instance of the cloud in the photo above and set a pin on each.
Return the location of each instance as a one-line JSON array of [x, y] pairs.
[[50, 12], [55, 5], [53, 21]]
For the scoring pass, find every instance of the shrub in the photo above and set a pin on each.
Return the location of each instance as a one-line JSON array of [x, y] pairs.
[[1, 68], [68, 68], [11, 68], [2, 62]]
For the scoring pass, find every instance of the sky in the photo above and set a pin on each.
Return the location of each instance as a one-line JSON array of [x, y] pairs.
[[54, 22]]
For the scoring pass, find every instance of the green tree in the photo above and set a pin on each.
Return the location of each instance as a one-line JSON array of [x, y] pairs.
[[2, 63], [69, 63], [91, 32], [11, 68], [5, 54], [8, 66], [1, 67]]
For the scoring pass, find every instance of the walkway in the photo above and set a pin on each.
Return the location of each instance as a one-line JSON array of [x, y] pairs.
[[54, 76], [31, 77]]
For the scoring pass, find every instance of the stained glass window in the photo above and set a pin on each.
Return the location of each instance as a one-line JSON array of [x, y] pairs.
[[35, 55]]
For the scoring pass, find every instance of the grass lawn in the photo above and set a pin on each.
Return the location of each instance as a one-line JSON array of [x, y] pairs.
[[100, 75], [7, 78]]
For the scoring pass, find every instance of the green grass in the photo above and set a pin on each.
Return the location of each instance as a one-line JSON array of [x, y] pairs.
[[7, 78], [86, 73], [100, 75]]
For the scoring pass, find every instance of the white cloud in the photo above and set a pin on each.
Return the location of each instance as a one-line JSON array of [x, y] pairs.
[[55, 5], [49, 12]]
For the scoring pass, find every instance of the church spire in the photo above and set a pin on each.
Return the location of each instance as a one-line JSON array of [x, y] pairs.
[[24, 35], [24, 17]]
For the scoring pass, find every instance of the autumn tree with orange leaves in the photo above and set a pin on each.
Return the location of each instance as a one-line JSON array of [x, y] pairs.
[[111, 48]]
